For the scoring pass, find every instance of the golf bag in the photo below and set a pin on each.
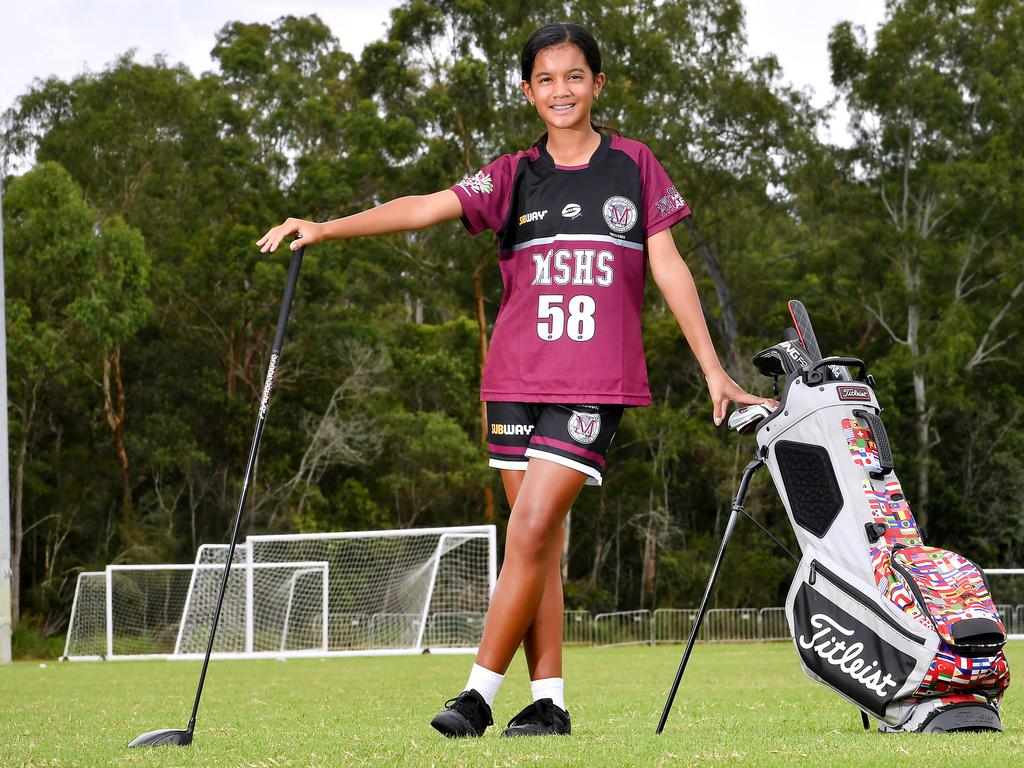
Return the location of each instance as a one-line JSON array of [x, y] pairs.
[[907, 632]]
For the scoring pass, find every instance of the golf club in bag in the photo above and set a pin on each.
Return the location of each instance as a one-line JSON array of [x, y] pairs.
[[906, 632], [172, 736]]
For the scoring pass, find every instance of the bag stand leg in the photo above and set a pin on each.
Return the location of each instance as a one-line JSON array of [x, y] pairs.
[[737, 508]]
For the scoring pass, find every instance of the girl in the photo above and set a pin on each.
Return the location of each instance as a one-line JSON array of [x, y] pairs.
[[579, 216]]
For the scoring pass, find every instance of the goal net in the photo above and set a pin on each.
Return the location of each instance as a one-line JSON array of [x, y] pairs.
[[400, 591], [87, 627], [393, 590]]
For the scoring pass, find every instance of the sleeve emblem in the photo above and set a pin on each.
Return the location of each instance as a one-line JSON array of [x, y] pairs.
[[479, 182], [670, 201]]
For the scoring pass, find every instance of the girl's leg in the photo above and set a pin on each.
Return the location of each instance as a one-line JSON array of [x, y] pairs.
[[543, 640], [532, 543]]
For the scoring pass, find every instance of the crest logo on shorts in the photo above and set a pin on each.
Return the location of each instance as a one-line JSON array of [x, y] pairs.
[[584, 427], [619, 214]]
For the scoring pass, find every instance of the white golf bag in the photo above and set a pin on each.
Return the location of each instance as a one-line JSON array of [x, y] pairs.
[[907, 632]]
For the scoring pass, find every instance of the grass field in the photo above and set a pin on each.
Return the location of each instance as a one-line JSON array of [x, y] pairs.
[[739, 705]]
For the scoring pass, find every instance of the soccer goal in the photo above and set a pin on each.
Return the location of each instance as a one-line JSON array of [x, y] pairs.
[[367, 592], [395, 591]]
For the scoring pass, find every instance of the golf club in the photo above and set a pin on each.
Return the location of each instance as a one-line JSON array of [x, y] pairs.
[[181, 738], [745, 420]]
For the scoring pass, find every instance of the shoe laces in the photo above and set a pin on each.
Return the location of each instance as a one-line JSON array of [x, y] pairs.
[[540, 711], [471, 706]]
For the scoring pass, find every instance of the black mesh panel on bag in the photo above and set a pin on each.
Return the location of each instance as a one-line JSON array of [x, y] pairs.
[[811, 485]]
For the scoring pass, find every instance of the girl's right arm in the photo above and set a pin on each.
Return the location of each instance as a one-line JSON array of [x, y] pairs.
[[399, 215]]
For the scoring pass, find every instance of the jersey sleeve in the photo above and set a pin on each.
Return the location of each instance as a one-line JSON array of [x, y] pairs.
[[663, 205], [487, 195]]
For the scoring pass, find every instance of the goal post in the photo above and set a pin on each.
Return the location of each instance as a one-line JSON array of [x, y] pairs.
[[397, 591], [385, 585], [87, 627], [162, 611]]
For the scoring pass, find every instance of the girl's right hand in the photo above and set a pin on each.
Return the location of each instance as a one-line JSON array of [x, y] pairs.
[[306, 233]]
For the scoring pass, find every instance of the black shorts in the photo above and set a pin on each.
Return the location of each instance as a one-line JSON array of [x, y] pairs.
[[575, 436]]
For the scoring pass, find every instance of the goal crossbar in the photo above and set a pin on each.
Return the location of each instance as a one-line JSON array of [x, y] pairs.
[[399, 591]]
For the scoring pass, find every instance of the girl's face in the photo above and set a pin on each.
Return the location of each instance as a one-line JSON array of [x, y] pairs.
[[562, 87]]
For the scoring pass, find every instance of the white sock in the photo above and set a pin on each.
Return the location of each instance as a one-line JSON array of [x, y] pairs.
[[549, 688], [485, 682]]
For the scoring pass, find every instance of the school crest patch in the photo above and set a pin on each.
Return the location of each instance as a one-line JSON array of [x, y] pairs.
[[619, 213], [584, 427]]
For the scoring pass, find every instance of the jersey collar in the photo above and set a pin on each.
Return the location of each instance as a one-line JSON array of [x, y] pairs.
[[546, 160]]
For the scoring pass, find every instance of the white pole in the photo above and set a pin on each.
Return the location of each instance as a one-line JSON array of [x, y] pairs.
[[430, 590], [110, 612], [248, 599], [325, 605], [492, 560], [5, 485], [71, 621]]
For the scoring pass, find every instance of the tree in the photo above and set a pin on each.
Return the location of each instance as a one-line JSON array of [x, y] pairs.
[[938, 142], [69, 277]]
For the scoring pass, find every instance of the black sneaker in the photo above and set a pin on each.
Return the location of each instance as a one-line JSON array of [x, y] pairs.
[[465, 715], [542, 718]]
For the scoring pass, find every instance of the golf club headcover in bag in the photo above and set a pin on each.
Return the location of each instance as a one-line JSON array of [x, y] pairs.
[[907, 632]]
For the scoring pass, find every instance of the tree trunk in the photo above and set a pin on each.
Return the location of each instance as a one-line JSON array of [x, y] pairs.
[[726, 326], [115, 420], [18, 535], [650, 551], [923, 429], [481, 320], [235, 357], [912, 282]]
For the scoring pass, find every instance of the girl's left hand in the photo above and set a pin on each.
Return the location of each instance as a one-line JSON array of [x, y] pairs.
[[723, 389]]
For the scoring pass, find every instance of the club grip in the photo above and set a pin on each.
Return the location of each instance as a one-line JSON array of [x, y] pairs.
[[289, 294]]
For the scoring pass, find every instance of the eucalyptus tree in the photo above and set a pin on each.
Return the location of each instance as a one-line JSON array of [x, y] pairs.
[[76, 289], [934, 239]]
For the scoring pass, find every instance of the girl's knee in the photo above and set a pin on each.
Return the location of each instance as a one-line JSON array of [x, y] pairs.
[[531, 535]]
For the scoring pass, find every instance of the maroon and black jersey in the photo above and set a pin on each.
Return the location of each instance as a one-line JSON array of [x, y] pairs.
[[573, 261]]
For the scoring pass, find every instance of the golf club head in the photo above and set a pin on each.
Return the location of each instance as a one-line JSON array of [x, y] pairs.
[[745, 420], [163, 738]]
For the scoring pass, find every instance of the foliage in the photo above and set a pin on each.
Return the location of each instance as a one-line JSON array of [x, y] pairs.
[[139, 312]]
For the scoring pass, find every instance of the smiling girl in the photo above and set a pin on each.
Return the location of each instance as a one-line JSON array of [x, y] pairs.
[[580, 216]]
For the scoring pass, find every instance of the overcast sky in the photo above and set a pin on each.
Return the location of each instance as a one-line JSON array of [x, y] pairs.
[[65, 37]]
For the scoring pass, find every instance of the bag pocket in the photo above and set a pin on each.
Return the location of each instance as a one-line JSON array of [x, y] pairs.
[[848, 639], [953, 593]]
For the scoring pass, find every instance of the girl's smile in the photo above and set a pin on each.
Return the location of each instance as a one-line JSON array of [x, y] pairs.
[[562, 87]]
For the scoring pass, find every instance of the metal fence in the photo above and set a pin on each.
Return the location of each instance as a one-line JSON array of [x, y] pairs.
[[721, 625], [673, 625], [622, 628], [577, 628], [663, 626]]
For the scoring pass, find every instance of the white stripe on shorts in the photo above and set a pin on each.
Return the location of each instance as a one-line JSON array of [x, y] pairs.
[[506, 464], [593, 475]]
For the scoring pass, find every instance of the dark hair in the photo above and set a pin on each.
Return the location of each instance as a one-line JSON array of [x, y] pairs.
[[559, 34]]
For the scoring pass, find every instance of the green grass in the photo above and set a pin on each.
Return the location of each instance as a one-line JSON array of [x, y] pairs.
[[739, 705]]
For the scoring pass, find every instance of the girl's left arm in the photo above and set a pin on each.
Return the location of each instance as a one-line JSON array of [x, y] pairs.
[[675, 282]]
